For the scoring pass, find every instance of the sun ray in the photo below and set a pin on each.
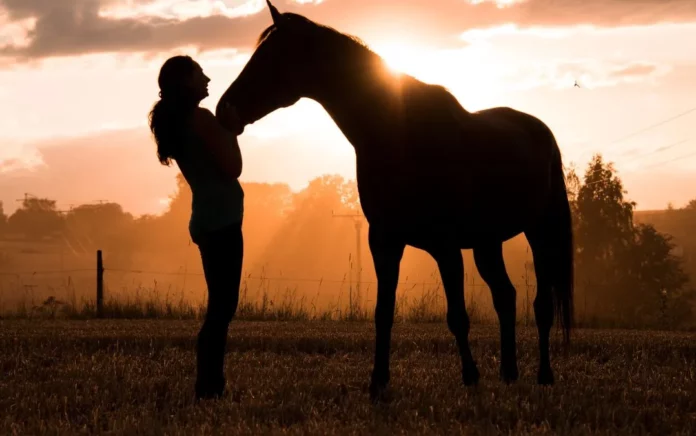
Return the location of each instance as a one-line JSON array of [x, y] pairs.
[[464, 71]]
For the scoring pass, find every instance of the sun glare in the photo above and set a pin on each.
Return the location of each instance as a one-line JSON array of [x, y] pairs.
[[401, 58], [464, 71]]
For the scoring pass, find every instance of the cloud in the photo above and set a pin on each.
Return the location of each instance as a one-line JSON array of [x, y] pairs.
[[10, 164], [181, 9], [634, 70], [590, 74], [62, 28], [80, 28], [16, 155], [121, 166]]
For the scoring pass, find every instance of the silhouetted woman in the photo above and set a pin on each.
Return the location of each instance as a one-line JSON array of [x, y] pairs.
[[209, 158]]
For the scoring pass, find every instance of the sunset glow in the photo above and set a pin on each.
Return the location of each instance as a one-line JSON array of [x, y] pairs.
[[448, 216], [448, 67], [97, 80]]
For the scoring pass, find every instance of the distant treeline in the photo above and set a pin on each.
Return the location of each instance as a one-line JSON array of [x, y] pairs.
[[629, 265]]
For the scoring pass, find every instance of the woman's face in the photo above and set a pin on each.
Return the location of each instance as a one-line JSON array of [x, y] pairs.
[[199, 82]]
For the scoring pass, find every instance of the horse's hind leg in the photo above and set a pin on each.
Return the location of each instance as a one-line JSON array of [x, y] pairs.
[[451, 266], [543, 302], [491, 265], [386, 255]]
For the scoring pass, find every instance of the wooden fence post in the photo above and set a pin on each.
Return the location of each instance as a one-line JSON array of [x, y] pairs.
[[100, 285]]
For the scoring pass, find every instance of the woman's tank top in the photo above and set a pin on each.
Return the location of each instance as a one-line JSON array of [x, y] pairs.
[[217, 200]]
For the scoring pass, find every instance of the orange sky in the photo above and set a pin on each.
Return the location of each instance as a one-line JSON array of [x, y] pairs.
[[77, 79]]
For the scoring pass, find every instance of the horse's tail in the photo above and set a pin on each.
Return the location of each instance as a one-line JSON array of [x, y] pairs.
[[560, 228]]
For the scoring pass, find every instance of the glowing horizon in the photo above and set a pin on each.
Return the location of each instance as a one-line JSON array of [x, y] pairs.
[[94, 96]]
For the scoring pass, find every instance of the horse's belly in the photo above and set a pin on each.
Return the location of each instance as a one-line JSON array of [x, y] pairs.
[[467, 208]]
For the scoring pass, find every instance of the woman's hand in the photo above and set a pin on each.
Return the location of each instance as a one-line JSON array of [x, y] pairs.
[[229, 118]]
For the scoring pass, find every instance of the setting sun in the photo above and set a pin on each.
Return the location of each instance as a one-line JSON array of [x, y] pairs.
[[400, 58], [464, 71]]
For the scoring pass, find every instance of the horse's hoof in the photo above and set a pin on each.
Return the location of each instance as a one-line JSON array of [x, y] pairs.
[[377, 392], [509, 374], [545, 377], [378, 385], [470, 375]]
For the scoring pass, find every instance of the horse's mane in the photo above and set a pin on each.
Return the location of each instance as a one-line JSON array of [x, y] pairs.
[[266, 32], [325, 33], [356, 52]]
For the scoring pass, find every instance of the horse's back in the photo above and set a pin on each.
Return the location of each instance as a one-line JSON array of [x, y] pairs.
[[486, 155], [439, 130]]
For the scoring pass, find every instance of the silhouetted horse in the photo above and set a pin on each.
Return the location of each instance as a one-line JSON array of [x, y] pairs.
[[430, 175]]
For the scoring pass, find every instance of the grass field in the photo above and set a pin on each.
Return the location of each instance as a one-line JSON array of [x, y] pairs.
[[136, 377]]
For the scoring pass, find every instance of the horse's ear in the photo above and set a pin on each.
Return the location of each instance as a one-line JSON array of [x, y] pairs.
[[274, 13]]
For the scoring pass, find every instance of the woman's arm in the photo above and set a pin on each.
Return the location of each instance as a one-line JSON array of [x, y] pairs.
[[221, 143]]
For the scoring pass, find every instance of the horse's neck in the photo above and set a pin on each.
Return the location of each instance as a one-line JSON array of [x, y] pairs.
[[363, 108]]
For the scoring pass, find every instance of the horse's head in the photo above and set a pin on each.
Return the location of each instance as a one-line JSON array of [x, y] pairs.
[[281, 70]]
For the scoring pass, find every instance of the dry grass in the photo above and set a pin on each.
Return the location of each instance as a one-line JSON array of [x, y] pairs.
[[136, 377], [284, 305], [139, 296]]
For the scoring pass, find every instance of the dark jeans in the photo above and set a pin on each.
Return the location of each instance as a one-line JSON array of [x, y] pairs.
[[222, 252]]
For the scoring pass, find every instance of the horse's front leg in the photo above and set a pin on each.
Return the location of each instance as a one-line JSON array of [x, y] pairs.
[[387, 252], [451, 265]]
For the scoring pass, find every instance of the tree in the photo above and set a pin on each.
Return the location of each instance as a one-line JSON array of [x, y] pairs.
[[331, 192], [658, 279], [266, 207], [179, 209], [603, 220], [626, 269], [3, 219], [37, 219], [99, 226], [309, 241], [168, 232]]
